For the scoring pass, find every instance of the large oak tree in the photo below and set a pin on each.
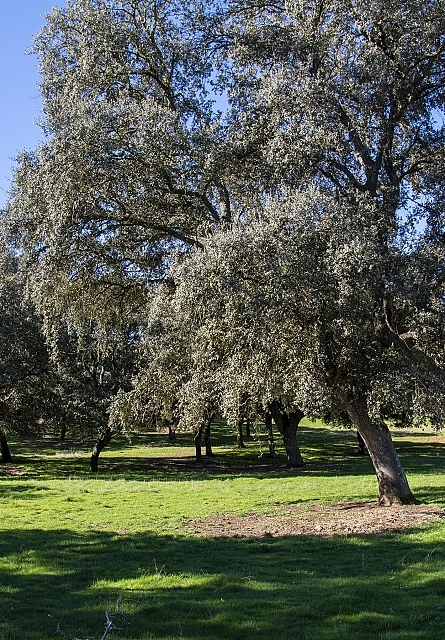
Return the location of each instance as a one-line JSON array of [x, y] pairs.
[[349, 96], [338, 98]]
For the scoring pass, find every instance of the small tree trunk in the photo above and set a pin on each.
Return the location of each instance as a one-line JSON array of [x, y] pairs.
[[198, 444], [361, 445], [287, 425], [63, 430], [100, 444], [248, 428], [171, 434], [393, 485], [4, 448], [239, 434], [270, 438], [207, 439]]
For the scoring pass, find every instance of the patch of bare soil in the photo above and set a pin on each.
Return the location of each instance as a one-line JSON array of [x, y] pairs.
[[342, 518]]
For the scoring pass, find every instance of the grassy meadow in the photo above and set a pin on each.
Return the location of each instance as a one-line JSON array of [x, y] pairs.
[[74, 546]]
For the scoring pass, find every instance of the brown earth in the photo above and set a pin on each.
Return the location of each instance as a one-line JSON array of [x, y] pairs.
[[342, 518]]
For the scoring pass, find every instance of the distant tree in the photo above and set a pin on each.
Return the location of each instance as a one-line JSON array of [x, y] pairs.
[[170, 384], [59, 383], [162, 368], [90, 375], [236, 354]]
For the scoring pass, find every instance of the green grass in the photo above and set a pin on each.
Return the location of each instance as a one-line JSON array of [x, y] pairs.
[[73, 545]]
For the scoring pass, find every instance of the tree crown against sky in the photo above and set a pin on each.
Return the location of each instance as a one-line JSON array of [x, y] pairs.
[[20, 101], [130, 172], [325, 89], [352, 90]]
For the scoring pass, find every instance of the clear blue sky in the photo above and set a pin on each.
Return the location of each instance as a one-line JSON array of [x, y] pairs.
[[20, 104]]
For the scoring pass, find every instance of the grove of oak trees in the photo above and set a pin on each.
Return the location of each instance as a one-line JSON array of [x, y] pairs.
[[253, 194]]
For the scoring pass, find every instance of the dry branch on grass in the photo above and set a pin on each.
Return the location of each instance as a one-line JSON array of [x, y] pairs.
[[109, 623]]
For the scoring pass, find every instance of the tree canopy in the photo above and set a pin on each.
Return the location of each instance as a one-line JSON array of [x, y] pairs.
[[28, 388], [285, 247]]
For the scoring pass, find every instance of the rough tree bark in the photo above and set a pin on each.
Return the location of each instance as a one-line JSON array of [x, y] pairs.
[[198, 444], [392, 481], [239, 434], [207, 438], [6, 456], [103, 439], [287, 424]]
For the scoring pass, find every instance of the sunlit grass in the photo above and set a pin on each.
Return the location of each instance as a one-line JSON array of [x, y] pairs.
[[73, 545]]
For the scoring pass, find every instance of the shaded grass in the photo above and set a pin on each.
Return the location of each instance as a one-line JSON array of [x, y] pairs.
[[326, 451], [174, 586], [72, 545]]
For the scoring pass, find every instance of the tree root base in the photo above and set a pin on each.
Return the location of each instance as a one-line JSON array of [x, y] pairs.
[[389, 501]]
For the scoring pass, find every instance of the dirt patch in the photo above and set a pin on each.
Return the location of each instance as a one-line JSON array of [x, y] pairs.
[[343, 518]]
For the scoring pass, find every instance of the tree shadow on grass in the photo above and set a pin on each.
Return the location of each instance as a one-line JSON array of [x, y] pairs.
[[432, 495], [182, 587], [14, 490], [326, 452]]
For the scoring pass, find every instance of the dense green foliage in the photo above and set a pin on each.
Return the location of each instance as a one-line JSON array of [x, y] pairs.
[[29, 392], [281, 256]]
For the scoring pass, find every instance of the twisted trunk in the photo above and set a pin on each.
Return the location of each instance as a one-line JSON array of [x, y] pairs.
[[392, 482], [100, 444], [287, 424]]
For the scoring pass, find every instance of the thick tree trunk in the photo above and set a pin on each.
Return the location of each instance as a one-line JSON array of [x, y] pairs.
[[6, 456], [239, 434], [63, 430], [248, 428], [287, 424], [198, 445], [99, 446], [270, 438], [207, 438], [171, 434], [393, 485]]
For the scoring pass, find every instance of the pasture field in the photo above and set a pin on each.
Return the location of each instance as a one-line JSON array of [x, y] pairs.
[[75, 548]]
